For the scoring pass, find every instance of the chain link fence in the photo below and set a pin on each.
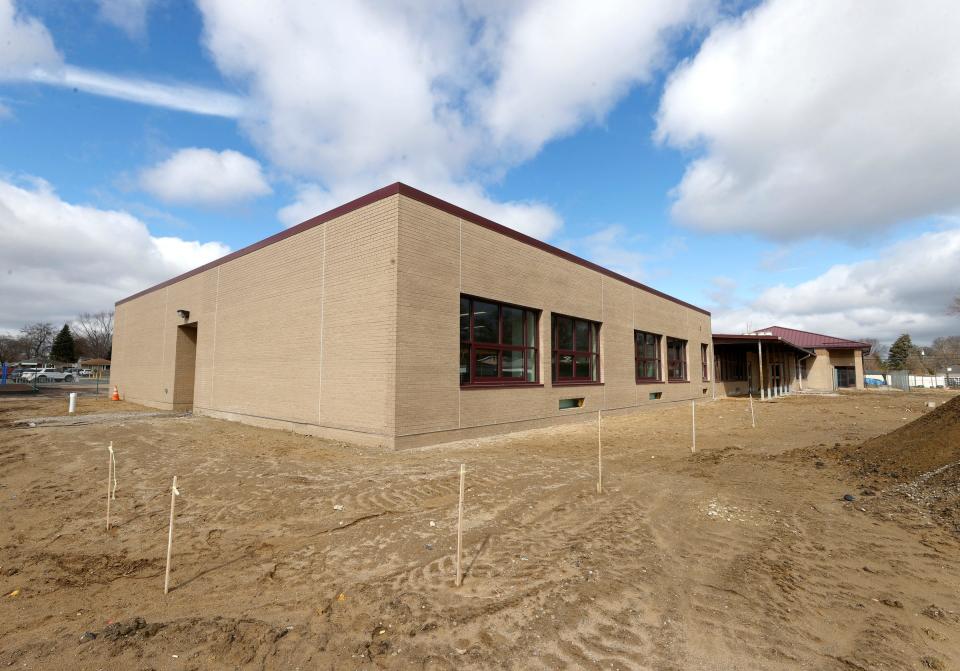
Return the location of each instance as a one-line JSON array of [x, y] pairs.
[[905, 380], [95, 383]]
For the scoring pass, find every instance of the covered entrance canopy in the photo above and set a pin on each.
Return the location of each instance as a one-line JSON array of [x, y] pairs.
[[762, 364]]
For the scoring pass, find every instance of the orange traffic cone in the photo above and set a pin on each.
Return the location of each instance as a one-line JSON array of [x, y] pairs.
[[116, 394]]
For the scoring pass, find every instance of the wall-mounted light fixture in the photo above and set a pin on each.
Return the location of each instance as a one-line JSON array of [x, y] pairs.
[[184, 314]]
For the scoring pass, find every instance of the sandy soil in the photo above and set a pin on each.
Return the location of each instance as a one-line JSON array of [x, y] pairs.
[[741, 556]]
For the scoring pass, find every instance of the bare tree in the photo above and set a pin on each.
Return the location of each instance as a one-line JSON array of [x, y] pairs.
[[954, 308], [11, 348], [875, 359], [945, 351], [877, 348], [37, 338], [96, 333]]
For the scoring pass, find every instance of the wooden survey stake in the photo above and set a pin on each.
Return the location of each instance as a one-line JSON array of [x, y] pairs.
[[111, 480], [599, 457], [459, 579], [693, 419], [174, 493], [753, 418]]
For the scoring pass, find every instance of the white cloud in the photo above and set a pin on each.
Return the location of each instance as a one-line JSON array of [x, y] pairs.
[[346, 89], [25, 43], [722, 292], [130, 16], [353, 96], [28, 54], [826, 118], [905, 289], [176, 96], [565, 63], [205, 177], [61, 258]]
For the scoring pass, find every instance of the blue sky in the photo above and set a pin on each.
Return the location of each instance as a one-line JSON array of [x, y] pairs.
[[760, 159]]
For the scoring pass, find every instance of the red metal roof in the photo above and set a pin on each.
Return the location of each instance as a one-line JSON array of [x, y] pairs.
[[809, 340]]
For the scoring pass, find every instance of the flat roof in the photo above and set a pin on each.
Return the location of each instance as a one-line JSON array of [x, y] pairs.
[[748, 338], [399, 188]]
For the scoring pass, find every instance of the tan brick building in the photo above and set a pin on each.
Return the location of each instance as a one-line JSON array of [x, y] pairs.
[[777, 360], [399, 319]]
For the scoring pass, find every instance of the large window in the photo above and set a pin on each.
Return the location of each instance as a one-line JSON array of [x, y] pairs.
[[676, 359], [576, 350], [730, 366], [704, 362], [647, 354], [498, 343]]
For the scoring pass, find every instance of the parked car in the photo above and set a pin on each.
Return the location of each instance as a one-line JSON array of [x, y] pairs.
[[47, 375]]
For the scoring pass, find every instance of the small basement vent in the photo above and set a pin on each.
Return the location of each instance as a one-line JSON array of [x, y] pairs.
[[567, 403], [655, 395]]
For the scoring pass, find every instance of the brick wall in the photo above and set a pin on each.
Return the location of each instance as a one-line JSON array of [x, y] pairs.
[[300, 332], [441, 256], [350, 329]]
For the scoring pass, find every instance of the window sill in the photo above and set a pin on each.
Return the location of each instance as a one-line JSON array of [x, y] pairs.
[[649, 381], [678, 381], [577, 384], [502, 385]]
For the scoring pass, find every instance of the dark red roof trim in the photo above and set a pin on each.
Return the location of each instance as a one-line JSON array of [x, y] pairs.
[[725, 338], [425, 198], [744, 336]]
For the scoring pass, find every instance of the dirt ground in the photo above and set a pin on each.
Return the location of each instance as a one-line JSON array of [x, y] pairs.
[[741, 556]]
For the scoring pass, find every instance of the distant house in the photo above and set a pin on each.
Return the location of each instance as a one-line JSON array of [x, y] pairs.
[[99, 367], [777, 360]]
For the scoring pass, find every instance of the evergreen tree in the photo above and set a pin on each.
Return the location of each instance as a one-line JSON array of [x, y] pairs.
[[63, 346], [900, 351]]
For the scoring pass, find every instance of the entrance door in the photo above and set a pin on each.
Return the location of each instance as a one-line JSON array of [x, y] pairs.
[[185, 370], [846, 377], [776, 378]]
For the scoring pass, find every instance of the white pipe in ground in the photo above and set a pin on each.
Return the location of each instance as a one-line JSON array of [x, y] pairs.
[[73, 402]]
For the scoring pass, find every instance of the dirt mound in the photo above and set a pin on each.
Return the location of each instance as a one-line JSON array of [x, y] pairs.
[[920, 460], [917, 448]]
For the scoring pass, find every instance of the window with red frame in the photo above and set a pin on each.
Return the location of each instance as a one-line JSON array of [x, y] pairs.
[[647, 353], [705, 362], [498, 343], [676, 360], [576, 350]]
